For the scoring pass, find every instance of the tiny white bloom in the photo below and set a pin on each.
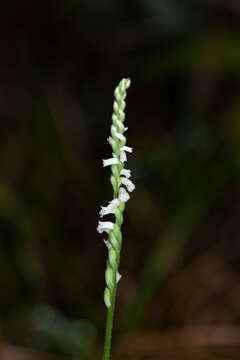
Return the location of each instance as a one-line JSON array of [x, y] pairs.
[[123, 195], [123, 150], [111, 140], [110, 209], [104, 226], [128, 183], [126, 148], [118, 276], [111, 161], [108, 244], [123, 156], [126, 173]]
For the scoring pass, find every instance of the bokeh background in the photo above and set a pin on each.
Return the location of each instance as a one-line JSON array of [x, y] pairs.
[[180, 291]]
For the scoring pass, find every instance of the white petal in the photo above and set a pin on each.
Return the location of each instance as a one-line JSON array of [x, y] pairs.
[[123, 150], [123, 195], [111, 140], [110, 209], [104, 226], [108, 244], [123, 156], [128, 183], [118, 276], [126, 173], [110, 161], [126, 148]]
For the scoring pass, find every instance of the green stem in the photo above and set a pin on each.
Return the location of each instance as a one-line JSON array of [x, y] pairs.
[[109, 326], [110, 311]]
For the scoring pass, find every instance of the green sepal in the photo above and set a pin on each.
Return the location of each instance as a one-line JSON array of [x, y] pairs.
[[114, 241], [114, 184], [115, 148], [119, 181], [121, 130], [119, 216], [120, 166], [122, 206], [115, 108], [122, 143], [113, 258], [117, 233], [117, 89], [107, 298], [110, 278], [115, 170], [122, 104], [113, 134], [122, 88], [114, 119], [121, 116], [127, 83]]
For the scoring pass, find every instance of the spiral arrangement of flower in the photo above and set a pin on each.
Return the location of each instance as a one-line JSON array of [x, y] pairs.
[[122, 185]]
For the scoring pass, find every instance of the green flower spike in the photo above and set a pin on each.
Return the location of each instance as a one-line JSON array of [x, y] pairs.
[[120, 178]]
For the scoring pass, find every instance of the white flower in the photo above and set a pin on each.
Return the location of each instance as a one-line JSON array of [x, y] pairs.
[[108, 244], [123, 156], [110, 161], [126, 173], [123, 150], [128, 183], [104, 226], [123, 195], [110, 209], [111, 140], [126, 148]]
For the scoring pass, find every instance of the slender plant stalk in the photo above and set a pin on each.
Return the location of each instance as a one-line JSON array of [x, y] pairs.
[[119, 177], [109, 327]]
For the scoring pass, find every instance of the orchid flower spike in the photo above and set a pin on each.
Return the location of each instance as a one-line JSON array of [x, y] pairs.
[[122, 186]]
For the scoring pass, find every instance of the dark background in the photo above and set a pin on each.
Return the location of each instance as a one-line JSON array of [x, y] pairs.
[[59, 64]]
